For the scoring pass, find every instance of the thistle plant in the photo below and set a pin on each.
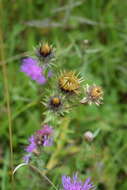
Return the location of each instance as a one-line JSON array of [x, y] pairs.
[[63, 90]]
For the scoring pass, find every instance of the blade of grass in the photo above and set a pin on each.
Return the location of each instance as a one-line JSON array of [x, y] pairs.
[[4, 173], [6, 93]]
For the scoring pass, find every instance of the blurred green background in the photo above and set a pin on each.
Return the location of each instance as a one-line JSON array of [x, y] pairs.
[[66, 24]]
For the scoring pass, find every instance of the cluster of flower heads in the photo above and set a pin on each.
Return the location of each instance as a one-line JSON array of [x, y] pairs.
[[67, 85]]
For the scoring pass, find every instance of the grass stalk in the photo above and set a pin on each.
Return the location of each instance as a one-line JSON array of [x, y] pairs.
[[6, 95]]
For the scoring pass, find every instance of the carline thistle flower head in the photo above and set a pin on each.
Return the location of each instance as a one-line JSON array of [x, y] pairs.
[[32, 69], [69, 82], [73, 183], [41, 138], [94, 94]]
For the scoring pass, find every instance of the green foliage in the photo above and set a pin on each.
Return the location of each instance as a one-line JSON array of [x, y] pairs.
[[103, 61]]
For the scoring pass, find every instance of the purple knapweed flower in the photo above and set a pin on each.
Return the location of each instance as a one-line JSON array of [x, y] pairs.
[[43, 136], [75, 184], [46, 130], [26, 158], [32, 146], [32, 69]]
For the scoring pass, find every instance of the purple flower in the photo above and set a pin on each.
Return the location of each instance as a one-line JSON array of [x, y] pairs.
[[43, 136], [75, 184], [48, 141], [46, 130], [26, 158], [32, 69], [40, 138], [32, 146]]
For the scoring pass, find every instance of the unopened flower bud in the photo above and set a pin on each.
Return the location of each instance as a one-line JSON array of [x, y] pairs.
[[88, 135]]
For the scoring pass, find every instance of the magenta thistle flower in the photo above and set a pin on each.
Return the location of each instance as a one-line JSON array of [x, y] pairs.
[[40, 138], [46, 130], [43, 136], [75, 184], [33, 70], [32, 147]]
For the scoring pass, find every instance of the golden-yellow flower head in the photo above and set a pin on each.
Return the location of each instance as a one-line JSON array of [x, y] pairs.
[[69, 82]]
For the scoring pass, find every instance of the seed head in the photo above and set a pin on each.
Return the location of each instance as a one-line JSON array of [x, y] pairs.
[[69, 82]]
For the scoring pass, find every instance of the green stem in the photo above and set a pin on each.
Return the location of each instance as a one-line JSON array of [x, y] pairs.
[[60, 144], [42, 175]]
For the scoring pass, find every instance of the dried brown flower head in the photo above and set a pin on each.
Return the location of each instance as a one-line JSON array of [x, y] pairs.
[[94, 94], [69, 82]]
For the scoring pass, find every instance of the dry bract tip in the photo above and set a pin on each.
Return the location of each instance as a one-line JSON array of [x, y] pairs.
[[94, 94]]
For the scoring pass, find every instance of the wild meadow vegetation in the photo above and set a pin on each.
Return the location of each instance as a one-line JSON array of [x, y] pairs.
[[89, 37]]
